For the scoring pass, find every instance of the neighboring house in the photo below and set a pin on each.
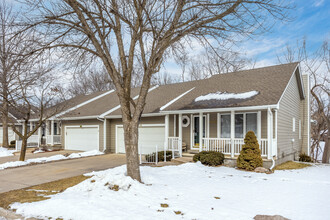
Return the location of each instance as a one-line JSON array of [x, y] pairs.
[[209, 114]]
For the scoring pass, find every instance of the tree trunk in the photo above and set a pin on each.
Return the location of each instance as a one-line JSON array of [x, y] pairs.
[[24, 142], [131, 147], [326, 150], [23, 149], [5, 124]]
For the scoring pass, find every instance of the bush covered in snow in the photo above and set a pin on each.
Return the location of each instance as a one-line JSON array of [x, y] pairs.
[[305, 158], [250, 155], [210, 158]]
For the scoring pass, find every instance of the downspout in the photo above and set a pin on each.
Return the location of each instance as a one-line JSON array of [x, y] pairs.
[[104, 132]]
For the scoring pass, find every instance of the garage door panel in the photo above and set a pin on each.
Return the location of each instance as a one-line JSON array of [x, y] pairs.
[[82, 138], [149, 138]]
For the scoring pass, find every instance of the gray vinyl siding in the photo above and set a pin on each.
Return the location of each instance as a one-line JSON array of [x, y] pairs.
[[289, 108], [82, 123]]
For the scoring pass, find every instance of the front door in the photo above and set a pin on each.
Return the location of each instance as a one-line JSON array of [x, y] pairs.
[[196, 130]]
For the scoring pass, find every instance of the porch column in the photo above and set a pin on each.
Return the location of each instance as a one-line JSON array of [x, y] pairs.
[[31, 126], [167, 122], [180, 133], [52, 132], [174, 126], [269, 133], [274, 146], [208, 125], [259, 126], [232, 132], [200, 130], [39, 136]]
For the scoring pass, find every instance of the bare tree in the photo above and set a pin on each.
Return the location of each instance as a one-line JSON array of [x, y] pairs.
[[317, 64], [11, 49], [119, 33]]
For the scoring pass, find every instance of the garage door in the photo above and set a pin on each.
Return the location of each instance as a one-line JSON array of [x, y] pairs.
[[11, 134], [84, 138], [149, 137]]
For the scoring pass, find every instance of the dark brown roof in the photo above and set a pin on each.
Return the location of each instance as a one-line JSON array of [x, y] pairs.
[[270, 82]]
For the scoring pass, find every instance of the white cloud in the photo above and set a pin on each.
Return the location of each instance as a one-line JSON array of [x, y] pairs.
[[318, 3]]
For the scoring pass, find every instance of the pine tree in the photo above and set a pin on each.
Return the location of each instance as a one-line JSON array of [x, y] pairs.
[[250, 155]]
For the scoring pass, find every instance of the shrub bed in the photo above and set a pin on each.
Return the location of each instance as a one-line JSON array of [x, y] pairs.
[[209, 158], [152, 157], [305, 158]]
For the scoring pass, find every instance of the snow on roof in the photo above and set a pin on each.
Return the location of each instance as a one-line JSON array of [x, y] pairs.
[[226, 96]]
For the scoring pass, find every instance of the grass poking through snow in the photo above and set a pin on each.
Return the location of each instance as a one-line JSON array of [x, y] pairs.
[[290, 165], [38, 192]]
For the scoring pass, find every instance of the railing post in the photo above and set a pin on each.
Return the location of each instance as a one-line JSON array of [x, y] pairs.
[[156, 154], [52, 133], [164, 153]]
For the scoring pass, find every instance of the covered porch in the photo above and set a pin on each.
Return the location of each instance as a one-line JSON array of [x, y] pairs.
[[222, 131]]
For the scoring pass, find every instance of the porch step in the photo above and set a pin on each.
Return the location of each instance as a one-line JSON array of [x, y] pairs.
[[187, 155], [183, 159], [193, 151]]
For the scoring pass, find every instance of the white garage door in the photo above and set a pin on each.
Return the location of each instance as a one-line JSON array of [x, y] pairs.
[[149, 137], [11, 134], [84, 138]]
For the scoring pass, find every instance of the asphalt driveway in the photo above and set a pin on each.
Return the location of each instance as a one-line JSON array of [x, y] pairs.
[[21, 177]]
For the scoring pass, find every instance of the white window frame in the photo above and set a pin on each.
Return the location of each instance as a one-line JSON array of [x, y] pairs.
[[293, 124], [244, 122]]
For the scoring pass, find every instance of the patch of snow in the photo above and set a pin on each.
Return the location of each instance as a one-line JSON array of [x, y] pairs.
[[191, 189], [226, 96], [38, 151], [49, 159], [4, 152]]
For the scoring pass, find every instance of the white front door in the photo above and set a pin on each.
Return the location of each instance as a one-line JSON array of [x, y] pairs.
[[150, 136], [84, 138]]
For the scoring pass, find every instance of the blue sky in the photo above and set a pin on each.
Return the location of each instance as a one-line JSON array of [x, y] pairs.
[[311, 19]]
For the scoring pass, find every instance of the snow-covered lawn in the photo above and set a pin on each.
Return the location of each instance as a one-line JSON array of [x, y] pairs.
[[197, 191], [4, 152], [49, 159]]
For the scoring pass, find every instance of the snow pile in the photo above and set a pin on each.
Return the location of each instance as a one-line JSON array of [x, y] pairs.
[[226, 96], [197, 191], [4, 152], [39, 151], [49, 159]]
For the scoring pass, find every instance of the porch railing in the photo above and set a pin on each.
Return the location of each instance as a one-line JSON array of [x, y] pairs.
[[56, 139], [224, 146], [175, 145]]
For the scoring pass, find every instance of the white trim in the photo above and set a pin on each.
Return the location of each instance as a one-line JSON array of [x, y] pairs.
[[175, 99], [208, 125], [82, 104], [141, 125], [174, 126], [104, 135], [293, 124], [218, 125], [82, 126], [299, 129], [167, 126], [180, 126], [308, 116], [232, 132], [143, 115], [248, 108], [11, 115], [118, 106]]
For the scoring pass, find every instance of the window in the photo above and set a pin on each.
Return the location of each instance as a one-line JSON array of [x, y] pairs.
[[225, 126], [299, 129], [293, 124], [239, 119], [251, 122]]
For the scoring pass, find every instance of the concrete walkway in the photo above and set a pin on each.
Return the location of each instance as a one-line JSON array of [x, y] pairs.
[[21, 177]]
